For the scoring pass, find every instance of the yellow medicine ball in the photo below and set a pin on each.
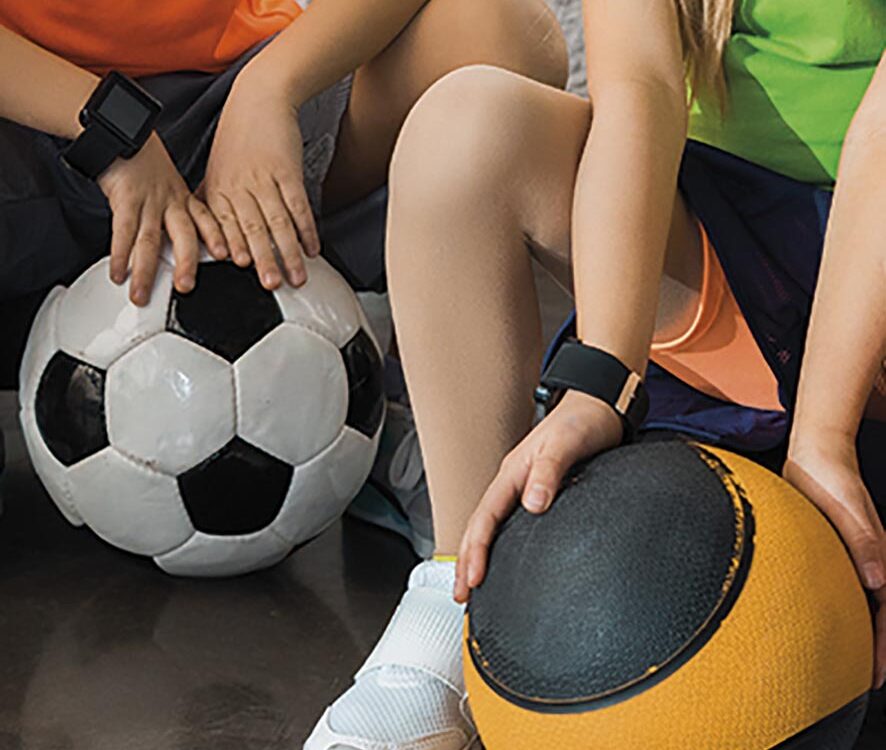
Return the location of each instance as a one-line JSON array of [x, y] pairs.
[[675, 597]]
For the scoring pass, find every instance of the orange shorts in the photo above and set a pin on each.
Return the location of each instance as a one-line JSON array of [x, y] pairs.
[[718, 355]]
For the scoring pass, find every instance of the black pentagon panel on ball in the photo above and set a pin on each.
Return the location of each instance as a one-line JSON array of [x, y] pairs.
[[70, 409], [366, 388], [238, 490], [227, 312]]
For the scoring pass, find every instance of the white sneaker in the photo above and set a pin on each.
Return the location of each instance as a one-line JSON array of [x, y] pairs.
[[410, 694]]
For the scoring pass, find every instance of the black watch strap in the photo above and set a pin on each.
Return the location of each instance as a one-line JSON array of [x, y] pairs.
[[93, 151], [597, 373]]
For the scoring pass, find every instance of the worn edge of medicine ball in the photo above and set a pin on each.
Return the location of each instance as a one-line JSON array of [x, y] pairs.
[[733, 585]]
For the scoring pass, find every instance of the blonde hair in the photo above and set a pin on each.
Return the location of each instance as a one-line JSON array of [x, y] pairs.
[[705, 27]]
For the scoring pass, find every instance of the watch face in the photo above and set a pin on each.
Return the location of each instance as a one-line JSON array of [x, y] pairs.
[[123, 107], [124, 111]]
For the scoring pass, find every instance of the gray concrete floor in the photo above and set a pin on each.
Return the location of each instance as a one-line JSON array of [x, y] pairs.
[[101, 651]]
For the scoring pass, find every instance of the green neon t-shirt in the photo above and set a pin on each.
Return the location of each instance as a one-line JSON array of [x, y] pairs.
[[796, 71]]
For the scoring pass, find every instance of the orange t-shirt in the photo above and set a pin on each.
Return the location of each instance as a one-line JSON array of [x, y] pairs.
[[142, 38]]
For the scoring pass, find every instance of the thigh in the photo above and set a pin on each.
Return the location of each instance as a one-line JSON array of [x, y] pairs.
[[39, 234], [24, 173], [518, 35]]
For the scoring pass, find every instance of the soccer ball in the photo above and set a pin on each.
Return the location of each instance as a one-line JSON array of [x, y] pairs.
[[213, 431]]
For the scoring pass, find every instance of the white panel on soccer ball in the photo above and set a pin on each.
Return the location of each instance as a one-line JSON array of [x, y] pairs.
[[292, 394], [128, 505], [322, 488], [51, 472], [42, 344], [206, 555], [96, 321], [325, 303], [170, 403]]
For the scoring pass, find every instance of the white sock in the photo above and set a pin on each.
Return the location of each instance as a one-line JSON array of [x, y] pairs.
[[398, 704]]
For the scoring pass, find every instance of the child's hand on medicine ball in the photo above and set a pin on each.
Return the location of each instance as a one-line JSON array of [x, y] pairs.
[[829, 476], [148, 196], [579, 427]]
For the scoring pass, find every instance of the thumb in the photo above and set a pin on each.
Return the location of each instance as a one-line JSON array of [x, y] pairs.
[[545, 475]]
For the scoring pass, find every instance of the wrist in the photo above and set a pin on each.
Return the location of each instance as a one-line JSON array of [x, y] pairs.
[[588, 408], [262, 79], [819, 431], [86, 85], [822, 441], [117, 120], [596, 373]]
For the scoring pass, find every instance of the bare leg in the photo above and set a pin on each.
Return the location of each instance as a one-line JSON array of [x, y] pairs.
[[520, 35], [482, 179]]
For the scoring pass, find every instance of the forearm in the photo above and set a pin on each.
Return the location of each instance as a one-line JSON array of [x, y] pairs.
[[331, 39], [624, 198], [40, 89], [846, 343]]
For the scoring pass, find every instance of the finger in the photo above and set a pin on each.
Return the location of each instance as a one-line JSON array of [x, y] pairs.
[[183, 235], [124, 225], [208, 228], [543, 482], [226, 217], [279, 221], [480, 536], [461, 591], [853, 524], [296, 200], [255, 230], [555, 458], [497, 503], [145, 255], [864, 546]]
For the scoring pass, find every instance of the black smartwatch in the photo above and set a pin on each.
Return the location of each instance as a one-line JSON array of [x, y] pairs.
[[117, 120], [579, 367]]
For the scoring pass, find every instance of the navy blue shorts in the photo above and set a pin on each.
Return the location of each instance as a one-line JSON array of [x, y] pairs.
[[768, 231]]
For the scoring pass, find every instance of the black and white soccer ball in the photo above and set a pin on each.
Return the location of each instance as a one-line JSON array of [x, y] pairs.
[[213, 431]]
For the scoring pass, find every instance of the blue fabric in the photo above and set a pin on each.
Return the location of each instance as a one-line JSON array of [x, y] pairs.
[[768, 232]]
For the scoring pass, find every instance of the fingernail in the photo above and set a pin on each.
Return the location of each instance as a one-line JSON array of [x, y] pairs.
[[271, 279], [139, 296], [873, 575], [881, 680], [536, 498]]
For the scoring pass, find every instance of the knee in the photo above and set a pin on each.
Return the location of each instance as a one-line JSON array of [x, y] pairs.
[[461, 137]]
